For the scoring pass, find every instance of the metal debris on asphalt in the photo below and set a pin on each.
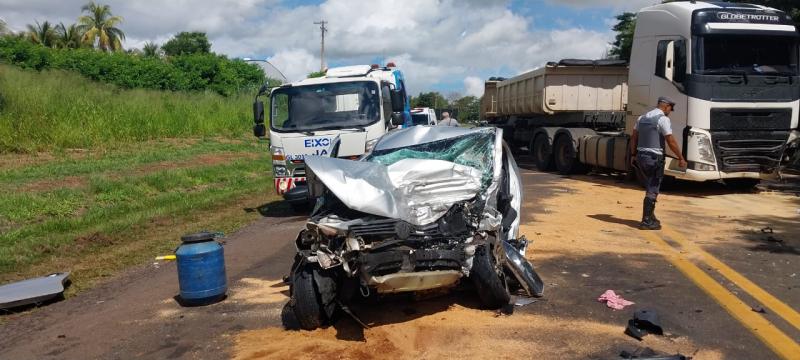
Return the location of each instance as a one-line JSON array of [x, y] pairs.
[[33, 291]]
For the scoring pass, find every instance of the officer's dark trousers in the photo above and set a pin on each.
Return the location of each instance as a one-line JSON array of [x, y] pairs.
[[652, 166]]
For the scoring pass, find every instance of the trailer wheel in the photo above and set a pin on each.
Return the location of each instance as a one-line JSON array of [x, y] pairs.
[[565, 156], [489, 279], [542, 153]]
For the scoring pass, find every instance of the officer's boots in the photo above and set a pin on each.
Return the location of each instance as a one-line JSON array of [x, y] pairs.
[[649, 221]]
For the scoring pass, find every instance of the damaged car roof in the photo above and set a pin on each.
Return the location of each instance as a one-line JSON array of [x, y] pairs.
[[414, 174]]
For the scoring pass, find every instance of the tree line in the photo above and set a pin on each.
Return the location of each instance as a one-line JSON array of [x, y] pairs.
[[465, 109], [93, 47]]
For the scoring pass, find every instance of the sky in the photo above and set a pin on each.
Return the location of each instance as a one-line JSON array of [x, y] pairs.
[[450, 46]]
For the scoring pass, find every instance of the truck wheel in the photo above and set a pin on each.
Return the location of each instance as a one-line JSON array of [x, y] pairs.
[[741, 184], [542, 153], [486, 275], [306, 299], [565, 156]]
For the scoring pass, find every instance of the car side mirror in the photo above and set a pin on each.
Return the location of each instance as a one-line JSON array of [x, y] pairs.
[[258, 112], [260, 130], [397, 119], [398, 102]]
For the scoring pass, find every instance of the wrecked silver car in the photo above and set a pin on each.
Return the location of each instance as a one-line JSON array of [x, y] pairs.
[[426, 208]]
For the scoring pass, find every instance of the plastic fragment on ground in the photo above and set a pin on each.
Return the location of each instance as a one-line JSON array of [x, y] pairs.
[[613, 300]]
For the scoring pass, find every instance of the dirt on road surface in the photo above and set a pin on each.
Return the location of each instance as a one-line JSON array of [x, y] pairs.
[[584, 241]]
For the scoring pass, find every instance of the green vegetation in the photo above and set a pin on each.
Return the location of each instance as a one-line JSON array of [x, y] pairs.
[[623, 41], [67, 212], [195, 72], [57, 109], [107, 157], [465, 109], [185, 43]]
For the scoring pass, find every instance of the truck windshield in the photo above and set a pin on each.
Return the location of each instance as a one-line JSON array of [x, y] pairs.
[[325, 106], [419, 119], [746, 54]]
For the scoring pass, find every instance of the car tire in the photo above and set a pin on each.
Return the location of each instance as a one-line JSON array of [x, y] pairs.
[[565, 156], [306, 299], [542, 153], [491, 287]]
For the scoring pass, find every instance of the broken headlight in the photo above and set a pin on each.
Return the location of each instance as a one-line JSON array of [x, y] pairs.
[[703, 148]]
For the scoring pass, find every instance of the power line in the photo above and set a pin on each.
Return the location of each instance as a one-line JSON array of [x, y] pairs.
[[322, 29]]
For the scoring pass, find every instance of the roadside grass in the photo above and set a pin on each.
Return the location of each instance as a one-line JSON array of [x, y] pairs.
[[54, 109], [96, 212]]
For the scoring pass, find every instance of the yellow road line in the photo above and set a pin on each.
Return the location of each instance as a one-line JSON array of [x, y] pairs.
[[770, 335], [763, 297]]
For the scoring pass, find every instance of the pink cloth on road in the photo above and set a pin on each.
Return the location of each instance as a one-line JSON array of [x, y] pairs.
[[613, 300]]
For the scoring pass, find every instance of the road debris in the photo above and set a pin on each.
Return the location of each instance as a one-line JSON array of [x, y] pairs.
[[522, 301], [650, 354], [613, 300], [33, 291], [644, 322]]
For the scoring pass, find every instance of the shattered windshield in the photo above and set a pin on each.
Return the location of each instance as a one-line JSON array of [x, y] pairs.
[[325, 106], [475, 150], [746, 54]]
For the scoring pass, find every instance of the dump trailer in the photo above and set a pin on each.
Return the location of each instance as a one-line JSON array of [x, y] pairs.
[[732, 70]]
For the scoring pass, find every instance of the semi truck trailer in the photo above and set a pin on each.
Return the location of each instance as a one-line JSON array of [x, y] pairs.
[[732, 70]]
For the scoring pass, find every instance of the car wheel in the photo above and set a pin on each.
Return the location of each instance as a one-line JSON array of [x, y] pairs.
[[491, 285], [542, 153], [306, 299]]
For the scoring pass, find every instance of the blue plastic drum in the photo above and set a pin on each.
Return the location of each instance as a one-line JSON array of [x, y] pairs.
[[201, 269]]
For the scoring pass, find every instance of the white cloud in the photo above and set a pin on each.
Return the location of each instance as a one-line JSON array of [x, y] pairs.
[[434, 42], [473, 85], [628, 5], [295, 64]]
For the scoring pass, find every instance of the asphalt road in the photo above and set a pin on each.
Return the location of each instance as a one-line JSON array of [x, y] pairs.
[[721, 257]]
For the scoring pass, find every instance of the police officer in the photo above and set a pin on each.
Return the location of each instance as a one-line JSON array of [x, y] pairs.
[[651, 131]]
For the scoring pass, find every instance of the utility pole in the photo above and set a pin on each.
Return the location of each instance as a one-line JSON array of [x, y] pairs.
[[322, 30]]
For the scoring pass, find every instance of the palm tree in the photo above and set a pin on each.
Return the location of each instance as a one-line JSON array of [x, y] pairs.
[[68, 36], [150, 49], [43, 34], [100, 27]]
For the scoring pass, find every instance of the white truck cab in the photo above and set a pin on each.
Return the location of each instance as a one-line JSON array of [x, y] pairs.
[[423, 116], [733, 71], [341, 114]]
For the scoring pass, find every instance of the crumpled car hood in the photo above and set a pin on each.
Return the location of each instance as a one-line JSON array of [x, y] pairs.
[[414, 174], [418, 191]]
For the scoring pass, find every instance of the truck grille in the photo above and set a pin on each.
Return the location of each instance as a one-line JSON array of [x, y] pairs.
[[749, 151]]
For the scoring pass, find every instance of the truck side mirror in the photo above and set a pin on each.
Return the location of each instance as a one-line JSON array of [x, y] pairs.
[[398, 101], [258, 112], [260, 130], [397, 119]]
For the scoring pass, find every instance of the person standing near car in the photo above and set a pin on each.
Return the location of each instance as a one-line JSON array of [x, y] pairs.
[[651, 131], [447, 120]]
